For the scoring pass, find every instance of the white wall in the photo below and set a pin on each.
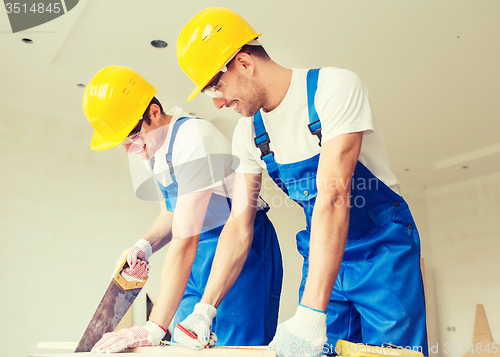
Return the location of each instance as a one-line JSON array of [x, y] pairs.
[[464, 223], [417, 201], [458, 226]]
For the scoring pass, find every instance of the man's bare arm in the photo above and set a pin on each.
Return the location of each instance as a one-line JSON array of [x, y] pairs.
[[235, 240], [330, 219]]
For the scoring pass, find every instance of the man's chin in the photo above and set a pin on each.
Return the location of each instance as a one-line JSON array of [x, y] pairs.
[[143, 153]]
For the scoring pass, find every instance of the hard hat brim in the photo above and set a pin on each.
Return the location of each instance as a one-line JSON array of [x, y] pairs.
[[100, 144], [194, 93]]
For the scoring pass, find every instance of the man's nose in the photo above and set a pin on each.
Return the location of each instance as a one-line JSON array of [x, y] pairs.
[[219, 102]]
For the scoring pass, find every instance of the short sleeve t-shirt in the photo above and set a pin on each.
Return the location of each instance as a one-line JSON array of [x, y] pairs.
[[343, 106]]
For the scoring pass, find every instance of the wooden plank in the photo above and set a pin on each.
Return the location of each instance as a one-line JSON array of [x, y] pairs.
[[175, 344], [227, 353], [172, 350], [90, 354], [237, 351], [481, 327], [80, 354], [481, 339], [176, 352], [422, 268]]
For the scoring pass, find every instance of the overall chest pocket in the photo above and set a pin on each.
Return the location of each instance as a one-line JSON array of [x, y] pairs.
[[302, 190], [300, 179]]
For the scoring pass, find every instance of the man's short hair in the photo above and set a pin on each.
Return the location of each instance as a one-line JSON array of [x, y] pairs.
[[256, 51]]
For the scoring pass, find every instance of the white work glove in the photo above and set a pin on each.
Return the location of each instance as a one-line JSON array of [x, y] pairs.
[[200, 324], [302, 335], [149, 335], [138, 260]]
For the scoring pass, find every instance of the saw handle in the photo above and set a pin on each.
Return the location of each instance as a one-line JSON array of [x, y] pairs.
[[118, 277]]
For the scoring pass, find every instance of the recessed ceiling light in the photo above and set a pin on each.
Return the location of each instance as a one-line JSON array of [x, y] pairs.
[[159, 44], [27, 40], [465, 167], [81, 85], [407, 169]]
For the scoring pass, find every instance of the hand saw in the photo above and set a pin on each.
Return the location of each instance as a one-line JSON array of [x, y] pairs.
[[120, 294]]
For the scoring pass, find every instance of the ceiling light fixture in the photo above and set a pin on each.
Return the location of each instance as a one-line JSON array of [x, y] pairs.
[[159, 44]]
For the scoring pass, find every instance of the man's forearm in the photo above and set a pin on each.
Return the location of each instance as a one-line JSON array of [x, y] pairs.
[[185, 227], [326, 248], [174, 278], [230, 257], [235, 240], [330, 219], [160, 233]]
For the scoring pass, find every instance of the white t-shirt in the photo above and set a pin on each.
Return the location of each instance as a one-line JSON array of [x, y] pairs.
[[201, 157], [343, 106]]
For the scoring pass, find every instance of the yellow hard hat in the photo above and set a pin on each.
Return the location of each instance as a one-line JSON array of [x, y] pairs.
[[208, 41], [113, 103]]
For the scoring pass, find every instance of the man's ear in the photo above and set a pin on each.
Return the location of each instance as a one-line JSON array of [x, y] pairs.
[[245, 62], [154, 112]]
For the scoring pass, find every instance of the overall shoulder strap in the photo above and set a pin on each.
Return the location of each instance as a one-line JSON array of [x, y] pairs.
[[168, 156], [262, 143], [261, 137], [312, 86]]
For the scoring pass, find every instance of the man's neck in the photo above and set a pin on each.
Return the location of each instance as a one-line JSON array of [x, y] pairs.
[[164, 123], [276, 80]]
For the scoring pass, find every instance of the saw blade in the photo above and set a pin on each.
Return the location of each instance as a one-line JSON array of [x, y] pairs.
[[111, 309]]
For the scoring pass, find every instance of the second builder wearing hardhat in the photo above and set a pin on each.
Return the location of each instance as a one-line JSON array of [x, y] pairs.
[[191, 163]]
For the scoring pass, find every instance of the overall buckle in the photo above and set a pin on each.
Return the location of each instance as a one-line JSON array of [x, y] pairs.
[[316, 130], [263, 146]]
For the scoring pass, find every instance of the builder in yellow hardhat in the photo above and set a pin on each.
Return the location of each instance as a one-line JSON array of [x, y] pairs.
[[191, 162], [314, 132]]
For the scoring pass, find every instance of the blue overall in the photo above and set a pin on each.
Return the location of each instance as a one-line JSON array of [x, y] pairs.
[[249, 313], [378, 295]]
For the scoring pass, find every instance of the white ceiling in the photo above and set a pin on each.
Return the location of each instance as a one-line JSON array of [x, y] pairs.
[[432, 67]]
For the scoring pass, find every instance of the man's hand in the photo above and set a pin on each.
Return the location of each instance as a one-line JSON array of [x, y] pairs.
[[138, 260], [149, 335], [198, 323], [302, 335]]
